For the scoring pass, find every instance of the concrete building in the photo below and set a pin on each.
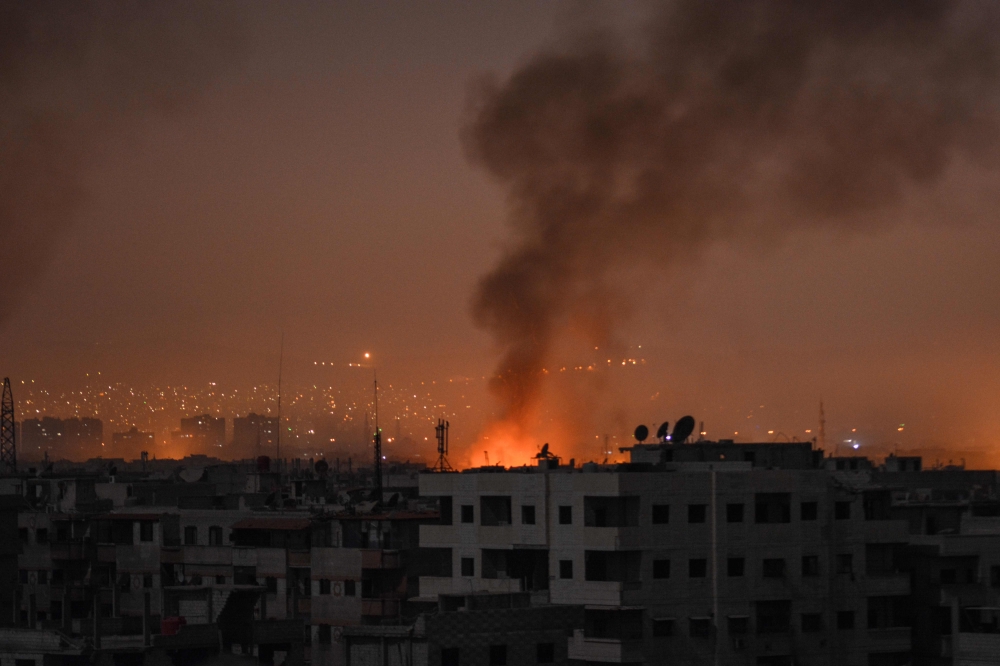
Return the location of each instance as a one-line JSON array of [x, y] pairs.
[[254, 435], [132, 442], [201, 432]]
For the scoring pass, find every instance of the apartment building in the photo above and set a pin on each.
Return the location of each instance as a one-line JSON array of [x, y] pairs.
[[686, 562]]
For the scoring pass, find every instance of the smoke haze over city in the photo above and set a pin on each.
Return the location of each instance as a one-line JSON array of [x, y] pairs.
[[345, 176]]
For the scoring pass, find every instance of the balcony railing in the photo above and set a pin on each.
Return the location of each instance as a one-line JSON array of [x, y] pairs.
[[380, 607], [603, 650]]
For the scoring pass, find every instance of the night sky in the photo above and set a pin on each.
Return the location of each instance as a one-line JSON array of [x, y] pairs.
[[313, 181]]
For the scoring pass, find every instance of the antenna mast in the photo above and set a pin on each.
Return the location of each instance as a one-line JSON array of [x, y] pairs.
[[822, 426], [8, 445], [441, 432], [281, 360], [378, 448]]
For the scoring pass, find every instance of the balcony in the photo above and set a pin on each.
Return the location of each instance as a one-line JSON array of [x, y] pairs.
[[887, 585], [892, 638], [604, 650], [299, 558], [106, 553], [68, 551], [593, 593], [432, 586], [380, 607], [379, 559]]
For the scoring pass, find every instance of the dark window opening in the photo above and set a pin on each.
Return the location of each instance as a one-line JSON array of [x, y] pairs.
[[845, 619], [842, 511], [700, 627], [663, 627], [565, 515], [449, 656], [697, 568], [661, 568], [812, 622], [734, 513], [774, 617], [528, 514], [467, 513], [735, 567], [773, 508], [498, 655], [661, 514], [545, 653], [468, 566], [494, 511], [810, 565], [566, 569], [845, 563], [809, 511], [774, 568], [697, 513]]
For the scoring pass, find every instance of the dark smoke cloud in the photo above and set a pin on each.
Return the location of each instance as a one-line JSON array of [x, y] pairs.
[[71, 74], [734, 119]]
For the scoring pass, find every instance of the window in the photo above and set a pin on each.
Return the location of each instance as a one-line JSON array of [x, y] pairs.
[[565, 515], [528, 514], [147, 581], [663, 627], [773, 508], [734, 513], [696, 513], [271, 583], [995, 576], [774, 568], [566, 569], [697, 568], [191, 535], [661, 568], [214, 535], [324, 587], [774, 617], [735, 566], [468, 566], [196, 579], [220, 580], [498, 655], [349, 588], [809, 510], [738, 625], [812, 622], [810, 565], [700, 627], [545, 653], [949, 576], [324, 634], [23, 576], [449, 656], [842, 511], [55, 607], [845, 563], [58, 576], [494, 510], [845, 619], [22, 534], [146, 531], [468, 514], [43, 577], [42, 535], [661, 514]]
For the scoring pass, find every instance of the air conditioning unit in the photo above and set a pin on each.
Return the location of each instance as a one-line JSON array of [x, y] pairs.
[[739, 643]]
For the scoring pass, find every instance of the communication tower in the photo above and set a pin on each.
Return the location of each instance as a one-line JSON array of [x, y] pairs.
[[8, 445]]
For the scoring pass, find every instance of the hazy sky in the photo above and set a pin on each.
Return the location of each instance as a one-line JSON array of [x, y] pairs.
[[318, 187]]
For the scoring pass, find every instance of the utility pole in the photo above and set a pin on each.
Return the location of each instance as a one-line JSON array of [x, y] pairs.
[[8, 445]]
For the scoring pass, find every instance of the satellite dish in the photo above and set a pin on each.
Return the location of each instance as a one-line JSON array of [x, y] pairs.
[[544, 453], [321, 467], [263, 464], [663, 431], [641, 433], [682, 429]]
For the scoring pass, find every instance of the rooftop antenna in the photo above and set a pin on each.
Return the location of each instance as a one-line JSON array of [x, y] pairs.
[[8, 445], [378, 447], [822, 426], [281, 360], [441, 432]]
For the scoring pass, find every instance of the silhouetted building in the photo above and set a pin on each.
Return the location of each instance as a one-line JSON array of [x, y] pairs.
[[201, 431], [133, 439], [66, 436], [255, 434]]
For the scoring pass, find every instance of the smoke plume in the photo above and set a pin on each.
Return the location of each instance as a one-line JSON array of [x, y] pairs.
[[70, 75], [732, 119]]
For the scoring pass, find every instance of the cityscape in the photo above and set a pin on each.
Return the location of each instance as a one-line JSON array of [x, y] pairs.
[[656, 333]]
